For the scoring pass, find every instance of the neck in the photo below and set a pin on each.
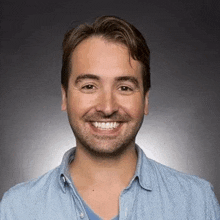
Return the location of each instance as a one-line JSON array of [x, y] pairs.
[[109, 171]]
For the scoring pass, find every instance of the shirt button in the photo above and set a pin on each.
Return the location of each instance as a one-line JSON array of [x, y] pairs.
[[126, 212], [81, 215], [64, 179]]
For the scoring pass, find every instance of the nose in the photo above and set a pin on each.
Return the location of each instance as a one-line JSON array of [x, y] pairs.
[[107, 103]]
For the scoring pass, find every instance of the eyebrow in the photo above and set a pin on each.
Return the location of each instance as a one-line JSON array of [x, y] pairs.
[[128, 78], [86, 76], [118, 79]]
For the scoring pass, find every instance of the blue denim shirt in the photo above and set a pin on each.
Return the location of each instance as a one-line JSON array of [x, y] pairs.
[[155, 192]]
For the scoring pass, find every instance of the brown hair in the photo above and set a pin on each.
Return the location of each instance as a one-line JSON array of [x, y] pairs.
[[113, 29]]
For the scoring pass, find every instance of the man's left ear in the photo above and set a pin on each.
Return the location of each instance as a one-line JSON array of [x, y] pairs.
[[146, 103]]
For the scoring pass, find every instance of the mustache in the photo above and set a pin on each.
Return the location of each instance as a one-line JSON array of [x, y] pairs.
[[98, 116]]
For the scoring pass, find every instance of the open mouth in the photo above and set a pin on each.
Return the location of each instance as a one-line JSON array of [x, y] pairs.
[[106, 125]]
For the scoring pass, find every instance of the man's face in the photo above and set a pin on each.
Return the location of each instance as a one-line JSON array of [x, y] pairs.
[[105, 102]]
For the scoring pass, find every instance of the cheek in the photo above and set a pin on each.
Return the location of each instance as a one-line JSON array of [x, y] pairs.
[[133, 106], [78, 103]]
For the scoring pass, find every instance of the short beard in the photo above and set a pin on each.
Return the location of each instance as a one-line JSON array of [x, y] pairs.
[[104, 154], [117, 151]]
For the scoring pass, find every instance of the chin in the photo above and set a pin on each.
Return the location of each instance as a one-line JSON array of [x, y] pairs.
[[107, 150]]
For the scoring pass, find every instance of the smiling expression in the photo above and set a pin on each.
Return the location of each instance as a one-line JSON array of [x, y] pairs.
[[104, 101]]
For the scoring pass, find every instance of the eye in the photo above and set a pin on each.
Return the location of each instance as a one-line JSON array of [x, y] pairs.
[[89, 87], [125, 89]]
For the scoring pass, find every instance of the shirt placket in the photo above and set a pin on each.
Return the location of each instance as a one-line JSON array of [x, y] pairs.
[[79, 207], [127, 201]]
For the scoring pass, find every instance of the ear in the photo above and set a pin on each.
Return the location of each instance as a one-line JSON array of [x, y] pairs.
[[64, 99], [146, 103]]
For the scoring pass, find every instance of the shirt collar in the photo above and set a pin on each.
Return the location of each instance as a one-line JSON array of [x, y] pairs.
[[64, 175], [144, 170], [143, 173]]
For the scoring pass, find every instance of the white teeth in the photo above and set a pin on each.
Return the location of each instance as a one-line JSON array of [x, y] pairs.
[[106, 126]]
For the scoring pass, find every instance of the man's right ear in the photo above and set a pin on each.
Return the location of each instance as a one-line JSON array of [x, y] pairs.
[[64, 99]]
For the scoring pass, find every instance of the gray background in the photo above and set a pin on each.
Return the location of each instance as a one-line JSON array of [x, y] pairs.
[[182, 129]]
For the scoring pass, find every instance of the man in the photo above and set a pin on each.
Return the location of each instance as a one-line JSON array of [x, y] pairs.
[[105, 85]]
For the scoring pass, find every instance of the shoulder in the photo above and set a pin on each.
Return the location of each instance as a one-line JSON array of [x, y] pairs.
[[181, 195], [177, 179], [189, 189], [29, 192], [173, 182], [32, 186]]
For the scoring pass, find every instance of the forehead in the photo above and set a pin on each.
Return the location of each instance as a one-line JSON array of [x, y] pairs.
[[99, 56]]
